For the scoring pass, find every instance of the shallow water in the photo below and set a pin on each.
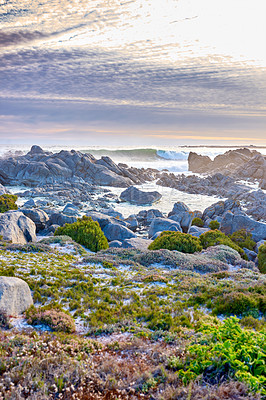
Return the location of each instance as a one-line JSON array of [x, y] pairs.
[[165, 204]]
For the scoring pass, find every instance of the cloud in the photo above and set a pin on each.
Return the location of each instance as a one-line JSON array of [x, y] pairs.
[[18, 37]]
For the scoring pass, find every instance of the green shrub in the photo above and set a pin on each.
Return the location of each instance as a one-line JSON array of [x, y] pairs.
[[262, 259], [197, 222], [86, 232], [243, 239], [214, 238], [183, 242], [214, 225], [55, 319], [8, 202], [227, 351], [237, 303]]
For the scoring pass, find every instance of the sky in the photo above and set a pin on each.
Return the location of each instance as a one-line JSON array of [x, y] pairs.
[[133, 72]]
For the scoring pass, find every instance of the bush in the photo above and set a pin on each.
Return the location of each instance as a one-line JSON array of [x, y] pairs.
[[228, 352], [8, 202], [86, 232], [214, 238], [214, 225], [197, 222], [237, 303], [55, 319], [243, 239], [183, 242], [262, 259]]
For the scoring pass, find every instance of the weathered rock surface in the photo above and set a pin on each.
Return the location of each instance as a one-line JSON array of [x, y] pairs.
[[39, 217], [61, 219], [117, 232], [15, 296], [163, 224], [221, 207], [136, 243], [39, 167], [17, 228], [226, 163], [181, 213], [233, 222], [137, 196]]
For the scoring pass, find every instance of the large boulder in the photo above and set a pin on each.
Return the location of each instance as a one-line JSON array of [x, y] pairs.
[[182, 214], [221, 207], [39, 217], [61, 219], [104, 219], [233, 222], [198, 163], [136, 243], [15, 296], [117, 232], [163, 224], [137, 196], [17, 228]]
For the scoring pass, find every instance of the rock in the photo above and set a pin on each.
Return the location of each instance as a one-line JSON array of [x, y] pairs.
[[163, 224], [136, 196], [182, 214], [198, 163], [112, 213], [117, 232], [197, 231], [39, 217], [2, 190], [251, 254], [229, 162], [29, 203], [71, 210], [258, 244], [132, 222], [38, 167], [53, 228], [219, 208], [115, 243], [104, 219], [17, 228], [232, 223], [136, 243], [61, 219], [15, 296]]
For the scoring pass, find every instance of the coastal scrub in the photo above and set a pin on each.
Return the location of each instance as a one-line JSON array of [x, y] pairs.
[[86, 232]]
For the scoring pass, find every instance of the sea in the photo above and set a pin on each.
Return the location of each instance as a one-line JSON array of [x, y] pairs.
[[173, 159]]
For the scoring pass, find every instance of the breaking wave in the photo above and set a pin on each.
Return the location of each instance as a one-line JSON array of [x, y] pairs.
[[139, 154]]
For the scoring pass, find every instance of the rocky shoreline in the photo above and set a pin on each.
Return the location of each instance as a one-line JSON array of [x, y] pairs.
[[73, 184]]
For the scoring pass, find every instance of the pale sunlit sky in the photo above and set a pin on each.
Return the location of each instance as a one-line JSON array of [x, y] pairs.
[[140, 72]]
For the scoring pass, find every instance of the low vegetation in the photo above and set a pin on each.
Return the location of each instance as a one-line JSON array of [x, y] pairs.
[[216, 237], [262, 259], [197, 222], [214, 225], [86, 232], [183, 242], [151, 330], [55, 319], [243, 239], [8, 202]]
